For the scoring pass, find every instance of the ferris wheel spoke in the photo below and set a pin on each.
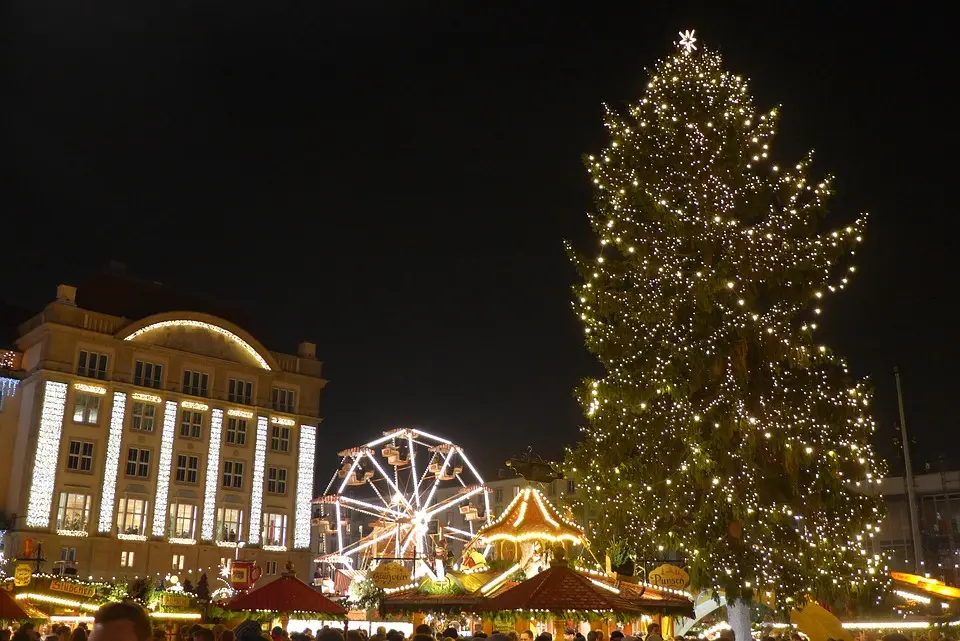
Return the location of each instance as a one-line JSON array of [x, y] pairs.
[[453, 500], [412, 455], [436, 483], [462, 482], [354, 548], [393, 486], [334, 477], [463, 455], [371, 506]]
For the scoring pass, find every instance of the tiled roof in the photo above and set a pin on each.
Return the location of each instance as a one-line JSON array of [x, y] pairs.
[[560, 589], [286, 594], [531, 516]]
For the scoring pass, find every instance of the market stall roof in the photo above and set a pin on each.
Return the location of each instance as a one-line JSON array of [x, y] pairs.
[[10, 609], [655, 599], [561, 589], [930, 586], [417, 599], [286, 594], [531, 517]]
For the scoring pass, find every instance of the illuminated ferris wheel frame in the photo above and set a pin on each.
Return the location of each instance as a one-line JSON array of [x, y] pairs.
[[404, 516]]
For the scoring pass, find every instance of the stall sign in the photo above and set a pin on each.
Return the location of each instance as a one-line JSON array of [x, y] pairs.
[[175, 600], [23, 575], [390, 575], [85, 591], [669, 576]]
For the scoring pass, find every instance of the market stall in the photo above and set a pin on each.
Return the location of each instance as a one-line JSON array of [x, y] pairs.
[[285, 596]]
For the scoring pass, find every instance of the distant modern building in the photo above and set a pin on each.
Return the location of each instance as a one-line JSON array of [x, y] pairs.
[[938, 520], [171, 443]]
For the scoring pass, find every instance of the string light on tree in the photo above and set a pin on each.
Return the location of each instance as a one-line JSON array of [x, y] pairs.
[[721, 430]]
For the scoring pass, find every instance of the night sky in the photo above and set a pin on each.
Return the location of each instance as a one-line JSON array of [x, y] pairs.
[[394, 181]]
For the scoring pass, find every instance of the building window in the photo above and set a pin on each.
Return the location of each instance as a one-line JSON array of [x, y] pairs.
[[178, 561], [92, 364], [498, 495], [80, 456], [86, 409], [284, 400], [138, 462], [148, 374], [188, 467], [233, 474], [183, 520], [143, 416], [74, 512], [552, 489], [191, 424], [571, 486], [277, 480], [271, 568], [239, 391], [68, 555], [132, 517], [274, 529], [236, 431], [229, 524], [126, 559], [194, 383], [280, 438]]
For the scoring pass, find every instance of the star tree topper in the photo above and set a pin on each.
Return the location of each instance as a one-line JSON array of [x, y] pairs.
[[687, 40]]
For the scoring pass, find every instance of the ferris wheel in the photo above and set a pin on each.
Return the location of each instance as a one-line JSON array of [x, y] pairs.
[[404, 487]]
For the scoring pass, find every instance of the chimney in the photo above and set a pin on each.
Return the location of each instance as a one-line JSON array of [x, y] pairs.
[[307, 350], [67, 294]]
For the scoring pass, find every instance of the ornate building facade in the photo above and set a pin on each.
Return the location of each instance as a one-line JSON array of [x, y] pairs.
[[174, 443]]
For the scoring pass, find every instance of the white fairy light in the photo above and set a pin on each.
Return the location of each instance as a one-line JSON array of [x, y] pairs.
[[301, 524], [109, 488], [216, 329], [99, 390], [163, 469], [46, 460], [256, 482], [212, 476]]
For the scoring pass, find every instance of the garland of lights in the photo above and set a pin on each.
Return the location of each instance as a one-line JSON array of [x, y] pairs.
[[110, 466], [212, 476], [256, 482], [46, 459], [721, 430], [216, 329], [305, 460], [163, 469]]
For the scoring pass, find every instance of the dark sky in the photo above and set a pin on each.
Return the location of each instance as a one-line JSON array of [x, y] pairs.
[[394, 180]]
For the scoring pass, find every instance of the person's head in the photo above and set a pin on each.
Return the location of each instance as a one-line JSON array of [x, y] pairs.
[[79, 635], [545, 636], [277, 631], [653, 628], [308, 632], [159, 634], [203, 634], [330, 634], [616, 635], [121, 622], [480, 635], [354, 635], [419, 637], [451, 632], [526, 635], [569, 634]]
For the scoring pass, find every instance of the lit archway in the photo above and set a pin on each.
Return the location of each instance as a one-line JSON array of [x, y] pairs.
[[207, 323]]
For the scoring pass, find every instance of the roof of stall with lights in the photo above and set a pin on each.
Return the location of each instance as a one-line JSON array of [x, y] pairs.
[[286, 594], [532, 517]]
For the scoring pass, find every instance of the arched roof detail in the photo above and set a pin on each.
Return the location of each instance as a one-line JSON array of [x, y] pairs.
[[206, 322]]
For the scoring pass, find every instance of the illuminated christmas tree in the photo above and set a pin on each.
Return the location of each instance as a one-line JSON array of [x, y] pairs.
[[722, 431]]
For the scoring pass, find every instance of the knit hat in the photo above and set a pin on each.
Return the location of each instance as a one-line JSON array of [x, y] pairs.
[[249, 630]]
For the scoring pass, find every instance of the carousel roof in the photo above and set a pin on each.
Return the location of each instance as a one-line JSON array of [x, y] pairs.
[[286, 594], [531, 517]]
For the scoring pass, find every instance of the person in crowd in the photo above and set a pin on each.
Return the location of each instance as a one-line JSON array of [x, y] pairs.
[[616, 635], [203, 634], [653, 632], [159, 634], [526, 635], [330, 634], [79, 635], [544, 636], [353, 635], [569, 634], [513, 636], [451, 633], [227, 636], [420, 636], [278, 634], [248, 630], [121, 622], [424, 628]]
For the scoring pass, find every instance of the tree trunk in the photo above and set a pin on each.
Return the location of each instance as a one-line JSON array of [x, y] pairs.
[[738, 616]]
